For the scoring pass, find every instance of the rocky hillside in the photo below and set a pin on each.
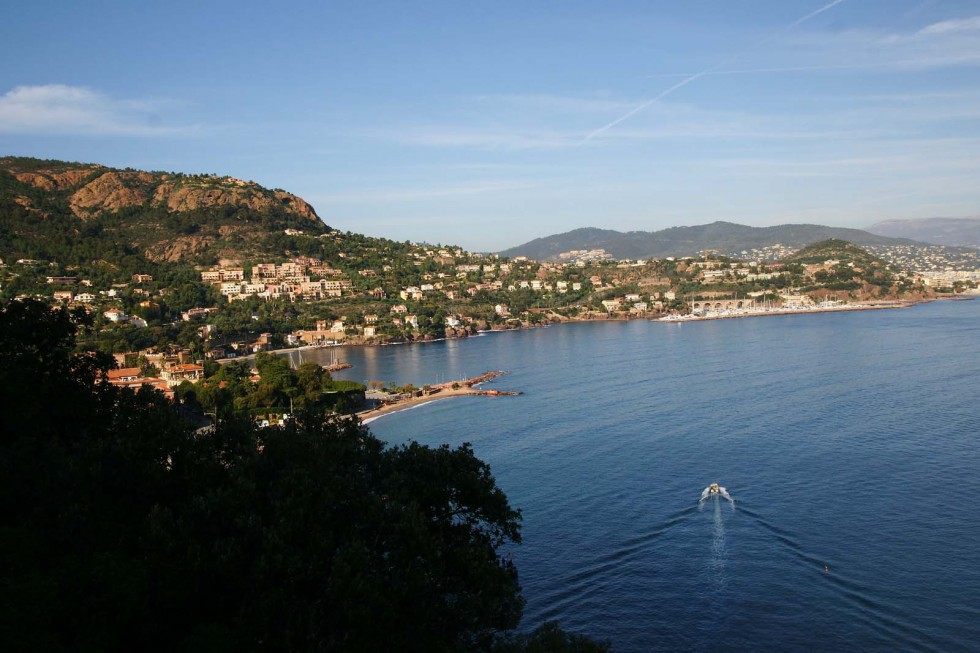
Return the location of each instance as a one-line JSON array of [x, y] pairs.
[[55, 205]]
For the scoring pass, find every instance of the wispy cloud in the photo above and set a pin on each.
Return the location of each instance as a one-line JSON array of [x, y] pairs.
[[533, 127], [687, 80], [507, 122], [955, 25], [897, 160], [954, 42], [63, 109], [949, 43]]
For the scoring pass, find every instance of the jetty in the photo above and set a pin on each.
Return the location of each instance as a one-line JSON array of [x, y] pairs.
[[435, 392], [469, 383]]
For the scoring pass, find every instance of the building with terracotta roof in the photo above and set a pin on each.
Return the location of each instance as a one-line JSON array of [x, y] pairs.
[[174, 375], [124, 375]]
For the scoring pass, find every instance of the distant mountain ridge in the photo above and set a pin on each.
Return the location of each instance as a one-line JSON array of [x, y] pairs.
[[952, 232], [725, 237]]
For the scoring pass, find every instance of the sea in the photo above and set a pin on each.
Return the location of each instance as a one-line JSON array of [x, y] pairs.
[[849, 442]]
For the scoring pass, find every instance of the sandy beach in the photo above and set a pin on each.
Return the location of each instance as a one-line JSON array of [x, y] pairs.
[[464, 388], [372, 414]]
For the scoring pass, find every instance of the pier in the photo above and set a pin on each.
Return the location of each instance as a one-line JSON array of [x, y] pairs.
[[460, 388]]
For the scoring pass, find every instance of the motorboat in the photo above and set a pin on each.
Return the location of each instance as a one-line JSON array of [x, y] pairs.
[[716, 490]]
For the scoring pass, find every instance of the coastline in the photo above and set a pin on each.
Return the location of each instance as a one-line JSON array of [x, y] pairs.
[[736, 313], [598, 317], [372, 414], [465, 388]]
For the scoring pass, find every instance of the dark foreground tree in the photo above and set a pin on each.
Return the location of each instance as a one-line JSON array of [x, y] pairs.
[[121, 528], [549, 638]]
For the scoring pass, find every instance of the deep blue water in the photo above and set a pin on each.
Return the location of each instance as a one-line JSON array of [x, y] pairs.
[[850, 440]]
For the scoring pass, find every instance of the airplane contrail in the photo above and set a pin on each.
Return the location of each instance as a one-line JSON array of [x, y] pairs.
[[687, 80], [829, 5], [777, 69], [635, 110]]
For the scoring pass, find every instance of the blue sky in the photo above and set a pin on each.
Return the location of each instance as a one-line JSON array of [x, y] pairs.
[[487, 124]]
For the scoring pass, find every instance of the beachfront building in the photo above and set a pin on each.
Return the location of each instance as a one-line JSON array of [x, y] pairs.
[[796, 301]]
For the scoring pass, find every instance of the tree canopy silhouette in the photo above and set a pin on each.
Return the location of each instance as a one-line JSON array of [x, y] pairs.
[[123, 528]]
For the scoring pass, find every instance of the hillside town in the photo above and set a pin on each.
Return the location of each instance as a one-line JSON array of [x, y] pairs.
[[371, 292]]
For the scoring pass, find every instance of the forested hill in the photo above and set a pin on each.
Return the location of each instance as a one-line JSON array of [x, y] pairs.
[[837, 250], [71, 212], [725, 237]]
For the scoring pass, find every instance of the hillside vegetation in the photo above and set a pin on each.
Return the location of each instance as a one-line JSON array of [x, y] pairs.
[[76, 212], [843, 270], [840, 250], [125, 529], [215, 266]]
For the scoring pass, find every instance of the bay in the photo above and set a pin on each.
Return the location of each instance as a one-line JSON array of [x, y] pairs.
[[848, 440]]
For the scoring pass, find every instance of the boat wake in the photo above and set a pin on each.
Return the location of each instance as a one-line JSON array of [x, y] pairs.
[[716, 490], [585, 581], [866, 602]]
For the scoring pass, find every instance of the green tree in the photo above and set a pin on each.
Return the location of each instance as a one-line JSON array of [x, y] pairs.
[[122, 528], [312, 377], [550, 638]]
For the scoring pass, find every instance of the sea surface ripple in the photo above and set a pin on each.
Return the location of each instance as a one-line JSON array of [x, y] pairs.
[[848, 440]]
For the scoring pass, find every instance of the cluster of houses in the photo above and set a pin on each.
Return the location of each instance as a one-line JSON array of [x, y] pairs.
[[490, 273], [90, 296], [291, 280], [637, 304], [949, 278], [329, 332], [77, 291], [174, 369], [583, 257]]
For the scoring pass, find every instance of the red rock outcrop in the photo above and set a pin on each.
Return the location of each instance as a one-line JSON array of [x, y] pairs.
[[111, 192], [49, 180], [188, 197]]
